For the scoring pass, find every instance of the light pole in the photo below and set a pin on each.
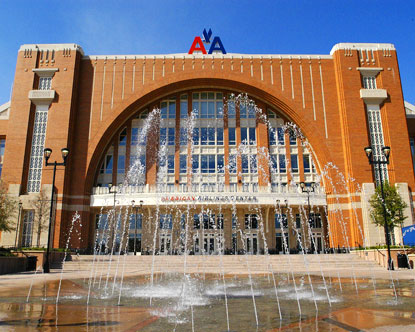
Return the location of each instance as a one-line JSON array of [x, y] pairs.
[[18, 224], [386, 150], [47, 152], [308, 190], [135, 227]]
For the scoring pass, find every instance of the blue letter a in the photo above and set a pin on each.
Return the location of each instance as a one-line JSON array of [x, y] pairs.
[[217, 46]]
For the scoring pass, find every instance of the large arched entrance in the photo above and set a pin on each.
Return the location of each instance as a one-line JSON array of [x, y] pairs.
[[200, 159]]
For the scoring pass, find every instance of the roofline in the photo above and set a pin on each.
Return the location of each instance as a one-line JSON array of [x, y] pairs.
[[234, 56]]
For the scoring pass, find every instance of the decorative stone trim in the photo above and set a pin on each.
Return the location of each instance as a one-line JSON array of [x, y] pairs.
[[373, 96], [41, 97]]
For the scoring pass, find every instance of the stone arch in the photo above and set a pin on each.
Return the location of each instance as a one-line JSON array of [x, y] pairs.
[[259, 91]]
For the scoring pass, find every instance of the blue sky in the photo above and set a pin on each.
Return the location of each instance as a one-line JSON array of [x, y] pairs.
[[256, 26]]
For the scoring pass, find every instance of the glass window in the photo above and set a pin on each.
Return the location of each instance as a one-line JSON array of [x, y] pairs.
[[231, 110], [163, 136], [2, 147], [244, 135], [204, 110], [211, 136], [123, 138], [121, 164], [134, 136], [196, 221], [293, 138], [183, 106], [254, 166], [139, 162], [297, 221], [274, 163], [195, 163], [315, 220], [234, 221], [306, 163], [232, 164], [166, 221], [183, 136], [203, 136], [183, 164], [207, 163], [251, 112], [137, 137], [272, 132], [252, 136], [219, 108], [282, 163], [172, 110], [170, 163], [245, 163], [108, 164], [232, 136], [171, 136], [281, 136], [280, 218], [133, 221], [195, 107], [219, 136], [27, 233], [211, 163], [242, 111], [220, 163], [163, 110], [36, 154], [251, 221], [219, 221], [195, 136], [211, 110], [294, 163]]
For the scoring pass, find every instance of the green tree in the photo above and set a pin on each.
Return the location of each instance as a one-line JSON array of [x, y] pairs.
[[7, 209], [394, 207]]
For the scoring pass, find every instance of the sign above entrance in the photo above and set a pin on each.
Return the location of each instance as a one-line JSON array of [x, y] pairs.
[[215, 46]]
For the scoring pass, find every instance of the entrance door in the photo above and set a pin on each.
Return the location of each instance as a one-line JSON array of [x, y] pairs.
[[318, 239], [252, 243], [131, 243], [165, 243], [210, 243]]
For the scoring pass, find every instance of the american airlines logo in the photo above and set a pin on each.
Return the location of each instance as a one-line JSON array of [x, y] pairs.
[[214, 46]]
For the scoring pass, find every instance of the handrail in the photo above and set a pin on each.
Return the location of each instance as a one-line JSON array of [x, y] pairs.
[[380, 252]]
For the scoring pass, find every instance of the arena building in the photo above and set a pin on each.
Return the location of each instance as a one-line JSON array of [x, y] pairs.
[[189, 162]]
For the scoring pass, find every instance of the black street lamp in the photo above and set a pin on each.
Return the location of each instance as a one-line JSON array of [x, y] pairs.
[[386, 152], [135, 207], [47, 152], [18, 224], [308, 190]]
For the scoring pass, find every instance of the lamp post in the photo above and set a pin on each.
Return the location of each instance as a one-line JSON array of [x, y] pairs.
[[47, 152], [18, 224], [386, 152], [308, 190]]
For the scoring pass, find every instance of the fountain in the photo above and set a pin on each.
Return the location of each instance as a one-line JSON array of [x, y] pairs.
[[198, 285]]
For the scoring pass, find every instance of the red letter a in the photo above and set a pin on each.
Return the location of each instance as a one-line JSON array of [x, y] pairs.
[[197, 46]]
